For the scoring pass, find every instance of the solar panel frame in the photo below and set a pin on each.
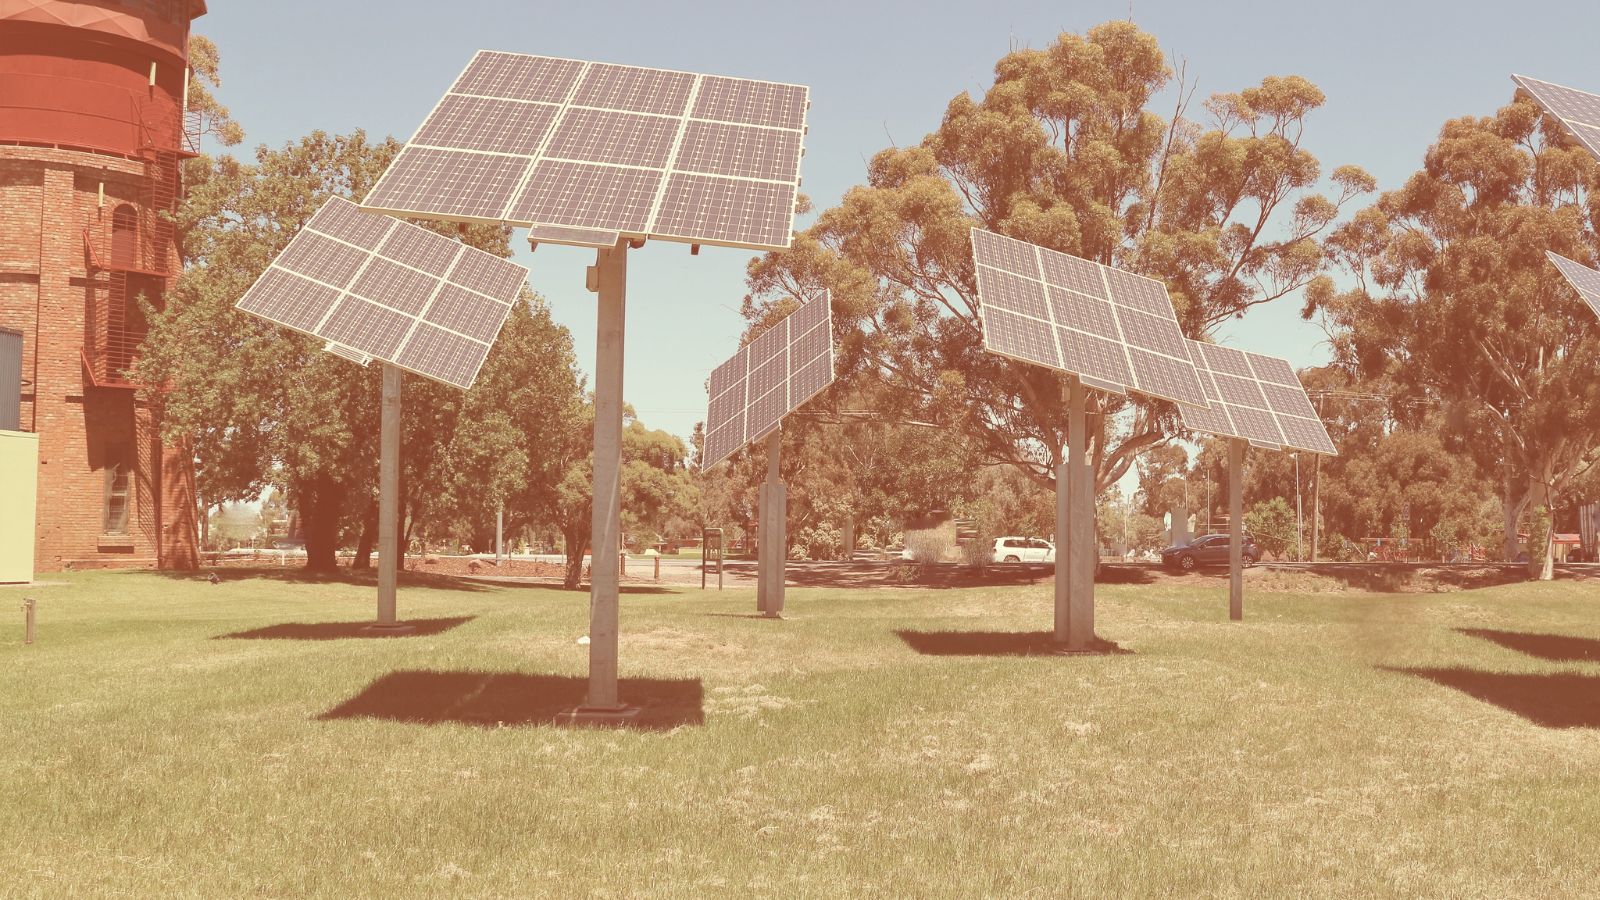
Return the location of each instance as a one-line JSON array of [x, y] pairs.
[[1257, 398], [406, 303], [1115, 330], [1578, 111], [770, 376], [1584, 280], [740, 142]]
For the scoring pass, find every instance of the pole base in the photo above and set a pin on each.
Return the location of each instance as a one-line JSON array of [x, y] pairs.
[[771, 615], [600, 716], [1094, 647], [389, 629]]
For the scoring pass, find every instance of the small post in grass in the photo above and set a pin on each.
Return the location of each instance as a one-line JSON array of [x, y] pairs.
[[27, 620]]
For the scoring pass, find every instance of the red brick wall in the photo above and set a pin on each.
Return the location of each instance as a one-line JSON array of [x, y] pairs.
[[48, 197]]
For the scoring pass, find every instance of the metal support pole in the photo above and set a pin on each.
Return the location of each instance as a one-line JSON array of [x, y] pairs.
[[1063, 585], [389, 499], [28, 607], [1085, 542], [1299, 518], [1236, 448], [610, 280], [1316, 504], [774, 514], [499, 533]]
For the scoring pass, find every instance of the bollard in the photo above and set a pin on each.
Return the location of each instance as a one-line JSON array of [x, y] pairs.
[[622, 563], [27, 617], [658, 568]]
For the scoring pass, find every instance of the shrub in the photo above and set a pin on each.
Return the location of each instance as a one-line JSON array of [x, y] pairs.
[[930, 546]]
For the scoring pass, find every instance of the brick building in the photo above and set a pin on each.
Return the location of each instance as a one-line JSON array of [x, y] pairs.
[[93, 130]]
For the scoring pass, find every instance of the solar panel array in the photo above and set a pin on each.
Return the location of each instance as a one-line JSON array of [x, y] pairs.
[[378, 288], [1257, 398], [1584, 280], [1578, 111], [770, 377], [1113, 329], [584, 153]]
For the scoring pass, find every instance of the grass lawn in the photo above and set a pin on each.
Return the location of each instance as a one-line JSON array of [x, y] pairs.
[[1348, 745]]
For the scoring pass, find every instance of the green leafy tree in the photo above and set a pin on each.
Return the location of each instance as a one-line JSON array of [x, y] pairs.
[[1272, 524], [261, 405], [1062, 151], [1455, 301]]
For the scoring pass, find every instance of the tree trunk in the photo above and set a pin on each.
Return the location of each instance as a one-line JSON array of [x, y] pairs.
[[849, 538], [369, 537], [1542, 559], [321, 503], [574, 540]]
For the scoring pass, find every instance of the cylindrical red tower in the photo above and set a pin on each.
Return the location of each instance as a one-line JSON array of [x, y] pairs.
[[93, 129]]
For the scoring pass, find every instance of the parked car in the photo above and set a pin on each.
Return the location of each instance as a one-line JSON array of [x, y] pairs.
[[1208, 550], [1023, 549]]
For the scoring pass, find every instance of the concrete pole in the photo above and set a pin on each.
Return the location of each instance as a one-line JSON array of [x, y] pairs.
[[1085, 544], [1063, 586], [611, 277], [1236, 448], [388, 497], [774, 513]]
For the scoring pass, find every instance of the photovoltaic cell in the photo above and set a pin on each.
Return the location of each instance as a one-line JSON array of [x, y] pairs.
[[771, 376], [659, 91], [378, 288], [737, 212], [587, 153], [578, 194], [519, 77], [751, 102], [1584, 280], [1115, 330], [1578, 110], [715, 148], [450, 183], [323, 259], [617, 138], [488, 124], [1257, 398]]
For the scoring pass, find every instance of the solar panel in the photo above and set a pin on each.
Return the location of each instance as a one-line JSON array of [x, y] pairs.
[[1255, 397], [374, 287], [1113, 329], [770, 377], [1584, 280], [1578, 111], [585, 153]]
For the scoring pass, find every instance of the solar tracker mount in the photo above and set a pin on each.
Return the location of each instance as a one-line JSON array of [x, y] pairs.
[[1256, 398], [588, 153], [784, 366], [1578, 111], [1584, 280], [1115, 330], [375, 287]]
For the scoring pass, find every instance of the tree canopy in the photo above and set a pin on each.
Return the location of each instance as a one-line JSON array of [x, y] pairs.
[[1062, 151]]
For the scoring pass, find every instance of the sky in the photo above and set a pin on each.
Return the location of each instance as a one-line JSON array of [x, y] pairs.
[[880, 74]]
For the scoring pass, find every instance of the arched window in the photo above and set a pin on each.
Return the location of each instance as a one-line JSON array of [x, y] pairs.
[[124, 236]]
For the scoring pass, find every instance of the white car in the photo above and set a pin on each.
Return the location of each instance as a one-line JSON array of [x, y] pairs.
[[1022, 549]]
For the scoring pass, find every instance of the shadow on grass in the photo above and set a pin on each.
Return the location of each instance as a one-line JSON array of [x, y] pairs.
[[905, 573], [999, 643], [493, 699], [1557, 647], [300, 575], [334, 631], [529, 582], [1559, 700]]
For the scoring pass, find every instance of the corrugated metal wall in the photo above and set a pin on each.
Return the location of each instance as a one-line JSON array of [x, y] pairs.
[[10, 380]]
